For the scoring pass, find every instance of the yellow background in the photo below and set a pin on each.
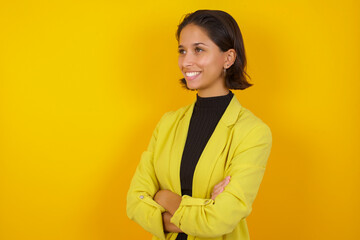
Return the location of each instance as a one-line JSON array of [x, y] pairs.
[[83, 83]]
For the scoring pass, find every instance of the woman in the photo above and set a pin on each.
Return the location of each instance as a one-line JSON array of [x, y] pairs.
[[205, 162]]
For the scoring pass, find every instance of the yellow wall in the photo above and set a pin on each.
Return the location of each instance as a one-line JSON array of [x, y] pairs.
[[83, 83]]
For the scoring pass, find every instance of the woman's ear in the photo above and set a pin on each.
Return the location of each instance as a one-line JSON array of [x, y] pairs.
[[230, 57]]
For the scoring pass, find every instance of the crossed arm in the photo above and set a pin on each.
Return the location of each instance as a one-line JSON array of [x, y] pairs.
[[171, 202], [153, 209]]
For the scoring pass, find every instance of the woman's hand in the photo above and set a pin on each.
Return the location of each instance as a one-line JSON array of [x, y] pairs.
[[219, 188], [171, 202], [168, 226]]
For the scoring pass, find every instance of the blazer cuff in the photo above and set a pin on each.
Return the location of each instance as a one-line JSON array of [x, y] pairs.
[[187, 201], [144, 197]]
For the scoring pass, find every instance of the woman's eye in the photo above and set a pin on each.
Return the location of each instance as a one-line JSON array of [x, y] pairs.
[[198, 50], [181, 51]]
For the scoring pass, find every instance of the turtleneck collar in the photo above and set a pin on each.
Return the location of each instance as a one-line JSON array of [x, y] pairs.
[[213, 102]]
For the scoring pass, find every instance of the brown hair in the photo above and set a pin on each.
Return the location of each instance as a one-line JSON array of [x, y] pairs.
[[223, 30]]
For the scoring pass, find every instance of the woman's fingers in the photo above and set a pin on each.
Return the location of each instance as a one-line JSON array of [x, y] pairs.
[[216, 193], [223, 183], [219, 188]]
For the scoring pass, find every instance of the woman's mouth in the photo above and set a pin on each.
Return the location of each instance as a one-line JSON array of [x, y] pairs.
[[191, 75]]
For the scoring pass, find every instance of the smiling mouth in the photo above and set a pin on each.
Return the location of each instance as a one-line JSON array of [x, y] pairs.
[[192, 74]]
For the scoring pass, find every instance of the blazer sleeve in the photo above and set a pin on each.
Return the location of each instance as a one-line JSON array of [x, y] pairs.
[[208, 218], [140, 206]]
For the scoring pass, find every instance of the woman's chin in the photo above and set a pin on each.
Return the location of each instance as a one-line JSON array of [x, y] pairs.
[[191, 86]]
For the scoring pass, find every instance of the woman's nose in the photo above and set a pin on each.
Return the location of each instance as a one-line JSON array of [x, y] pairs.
[[188, 60]]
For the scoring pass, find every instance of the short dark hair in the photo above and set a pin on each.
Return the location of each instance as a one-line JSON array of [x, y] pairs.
[[223, 30]]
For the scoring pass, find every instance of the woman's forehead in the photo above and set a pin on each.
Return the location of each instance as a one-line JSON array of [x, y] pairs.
[[194, 35]]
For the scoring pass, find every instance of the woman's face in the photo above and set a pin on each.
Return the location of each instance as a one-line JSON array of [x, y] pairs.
[[201, 62]]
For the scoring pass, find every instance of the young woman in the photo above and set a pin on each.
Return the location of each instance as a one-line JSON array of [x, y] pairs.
[[205, 162]]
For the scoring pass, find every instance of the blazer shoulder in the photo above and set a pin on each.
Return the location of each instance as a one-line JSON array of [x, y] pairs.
[[248, 122], [174, 115]]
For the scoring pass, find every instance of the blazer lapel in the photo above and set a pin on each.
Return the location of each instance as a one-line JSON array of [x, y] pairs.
[[214, 148], [178, 148]]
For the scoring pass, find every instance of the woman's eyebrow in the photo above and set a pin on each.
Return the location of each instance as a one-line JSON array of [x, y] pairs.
[[199, 43], [195, 44]]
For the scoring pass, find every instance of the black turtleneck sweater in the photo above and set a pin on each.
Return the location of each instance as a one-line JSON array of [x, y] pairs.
[[206, 115]]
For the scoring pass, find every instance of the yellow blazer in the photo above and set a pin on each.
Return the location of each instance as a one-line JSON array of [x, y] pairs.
[[239, 147]]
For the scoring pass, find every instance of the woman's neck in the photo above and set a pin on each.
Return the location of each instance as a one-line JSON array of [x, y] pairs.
[[216, 93]]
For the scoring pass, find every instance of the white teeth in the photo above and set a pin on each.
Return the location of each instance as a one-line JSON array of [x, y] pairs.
[[191, 74]]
